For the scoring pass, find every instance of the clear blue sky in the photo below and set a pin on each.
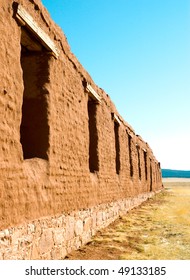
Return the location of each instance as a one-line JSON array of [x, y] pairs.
[[138, 51]]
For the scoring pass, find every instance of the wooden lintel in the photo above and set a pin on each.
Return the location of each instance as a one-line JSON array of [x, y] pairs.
[[94, 95], [145, 150], [129, 133], [116, 118], [27, 20]]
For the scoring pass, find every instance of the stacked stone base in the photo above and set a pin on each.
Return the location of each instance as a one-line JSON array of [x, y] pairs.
[[53, 238]]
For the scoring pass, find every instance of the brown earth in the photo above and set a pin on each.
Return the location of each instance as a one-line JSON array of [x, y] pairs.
[[158, 229]]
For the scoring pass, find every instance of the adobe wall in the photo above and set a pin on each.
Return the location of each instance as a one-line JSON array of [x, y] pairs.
[[52, 197]]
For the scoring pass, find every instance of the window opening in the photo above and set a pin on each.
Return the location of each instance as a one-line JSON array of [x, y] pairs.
[[139, 161], [145, 164], [93, 136], [130, 154], [34, 128], [150, 175], [117, 147]]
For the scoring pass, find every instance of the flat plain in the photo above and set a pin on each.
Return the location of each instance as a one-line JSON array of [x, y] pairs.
[[159, 229]]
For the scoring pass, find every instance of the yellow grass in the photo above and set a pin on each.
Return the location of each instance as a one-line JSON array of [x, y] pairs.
[[159, 229]]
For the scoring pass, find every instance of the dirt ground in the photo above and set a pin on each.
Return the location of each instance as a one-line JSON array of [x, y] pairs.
[[157, 230]]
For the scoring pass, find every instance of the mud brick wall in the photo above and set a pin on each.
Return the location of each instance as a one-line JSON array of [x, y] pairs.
[[64, 148]]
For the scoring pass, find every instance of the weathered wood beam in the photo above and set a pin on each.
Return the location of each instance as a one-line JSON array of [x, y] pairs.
[[92, 93], [116, 118], [27, 20]]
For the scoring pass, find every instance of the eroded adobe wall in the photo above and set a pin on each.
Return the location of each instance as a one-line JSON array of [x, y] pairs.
[[44, 131]]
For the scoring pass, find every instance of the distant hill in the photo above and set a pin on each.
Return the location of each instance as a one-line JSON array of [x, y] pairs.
[[169, 173]]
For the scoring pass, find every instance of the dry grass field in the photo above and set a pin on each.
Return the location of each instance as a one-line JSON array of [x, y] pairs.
[[157, 230]]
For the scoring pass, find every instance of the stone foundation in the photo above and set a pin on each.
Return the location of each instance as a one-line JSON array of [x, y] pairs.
[[55, 237]]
